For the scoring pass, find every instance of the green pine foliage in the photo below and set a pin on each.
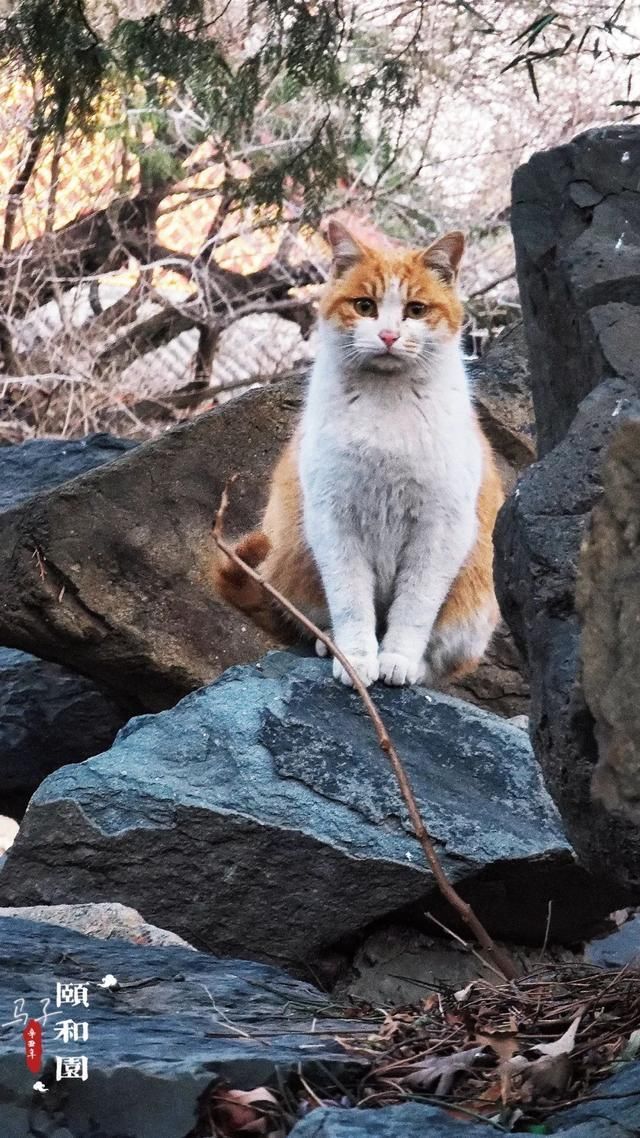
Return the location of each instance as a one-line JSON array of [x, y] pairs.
[[297, 99]]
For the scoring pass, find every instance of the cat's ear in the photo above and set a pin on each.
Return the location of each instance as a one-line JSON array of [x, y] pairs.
[[444, 256], [345, 249]]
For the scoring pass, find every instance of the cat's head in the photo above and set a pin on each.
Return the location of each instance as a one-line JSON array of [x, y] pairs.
[[391, 310]]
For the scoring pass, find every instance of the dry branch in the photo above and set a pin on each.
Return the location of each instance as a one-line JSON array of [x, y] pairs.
[[497, 956]]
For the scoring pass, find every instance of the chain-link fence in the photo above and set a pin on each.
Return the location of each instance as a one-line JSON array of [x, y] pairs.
[[137, 287]]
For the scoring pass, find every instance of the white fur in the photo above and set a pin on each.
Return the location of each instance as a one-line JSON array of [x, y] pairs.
[[390, 465]]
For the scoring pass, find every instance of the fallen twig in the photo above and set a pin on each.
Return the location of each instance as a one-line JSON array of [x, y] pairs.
[[497, 956]]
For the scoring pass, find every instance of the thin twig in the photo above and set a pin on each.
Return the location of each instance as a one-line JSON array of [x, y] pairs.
[[499, 957]]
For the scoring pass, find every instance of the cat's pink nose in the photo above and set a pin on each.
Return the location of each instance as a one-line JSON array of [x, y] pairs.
[[388, 338]]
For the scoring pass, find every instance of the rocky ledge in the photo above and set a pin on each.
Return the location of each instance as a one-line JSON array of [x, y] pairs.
[[267, 793]]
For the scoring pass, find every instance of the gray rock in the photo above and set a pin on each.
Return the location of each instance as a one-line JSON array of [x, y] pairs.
[[107, 920], [48, 717], [111, 573], [502, 393], [397, 965], [42, 464], [538, 538], [618, 949], [576, 226], [180, 1021], [260, 818], [411, 1120], [613, 1113]]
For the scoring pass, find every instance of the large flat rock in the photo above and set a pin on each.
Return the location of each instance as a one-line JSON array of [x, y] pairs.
[[576, 227], [180, 1021], [268, 795]]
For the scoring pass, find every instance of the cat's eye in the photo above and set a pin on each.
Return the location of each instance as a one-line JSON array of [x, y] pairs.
[[364, 306], [415, 310]]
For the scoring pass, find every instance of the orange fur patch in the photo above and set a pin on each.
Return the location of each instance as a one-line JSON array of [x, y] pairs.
[[472, 589]]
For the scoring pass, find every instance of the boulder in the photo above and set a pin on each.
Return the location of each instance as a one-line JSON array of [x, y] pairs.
[[48, 717], [576, 227], [612, 1112], [538, 538], [608, 600], [502, 394], [106, 921], [110, 572], [179, 1022], [268, 795], [29, 468], [620, 949]]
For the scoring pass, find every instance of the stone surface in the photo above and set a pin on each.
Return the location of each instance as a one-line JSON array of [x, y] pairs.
[[411, 1120], [267, 793], [42, 464], [608, 599], [538, 539], [398, 965], [498, 684], [619, 949], [615, 1114], [106, 920], [48, 717], [502, 394], [110, 573], [180, 1021], [576, 226]]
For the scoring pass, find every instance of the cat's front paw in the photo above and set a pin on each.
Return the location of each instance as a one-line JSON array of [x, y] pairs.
[[366, 665], [321, 648], [398, 670]]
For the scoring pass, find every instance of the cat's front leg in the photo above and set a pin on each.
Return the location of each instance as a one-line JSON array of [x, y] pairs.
[[429, 566], [348, 581]]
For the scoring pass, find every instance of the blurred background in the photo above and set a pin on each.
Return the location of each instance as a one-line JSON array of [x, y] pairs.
[[166, 170]]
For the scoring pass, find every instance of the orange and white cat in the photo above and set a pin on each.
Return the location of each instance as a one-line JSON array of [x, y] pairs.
[[381, 511]]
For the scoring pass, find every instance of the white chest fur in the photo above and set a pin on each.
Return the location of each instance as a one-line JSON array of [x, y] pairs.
[[390, 468]]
